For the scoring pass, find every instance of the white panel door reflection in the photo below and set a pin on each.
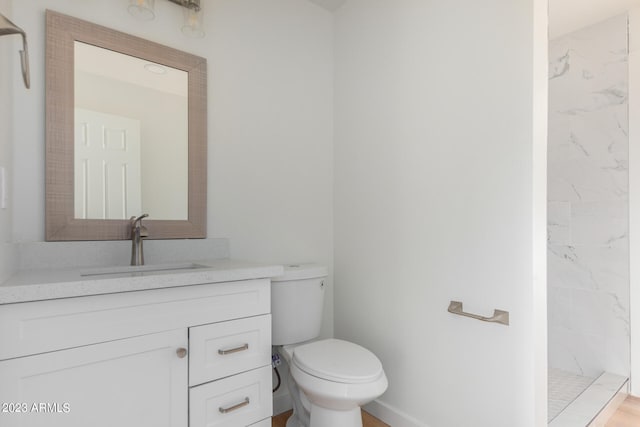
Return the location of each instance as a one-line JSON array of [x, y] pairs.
[[107, 176]]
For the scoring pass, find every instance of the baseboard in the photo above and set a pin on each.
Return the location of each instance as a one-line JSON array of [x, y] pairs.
[[282, 403], [384, 412], [392, 416]]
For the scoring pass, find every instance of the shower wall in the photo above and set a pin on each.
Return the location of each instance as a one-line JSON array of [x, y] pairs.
[[588, 189]]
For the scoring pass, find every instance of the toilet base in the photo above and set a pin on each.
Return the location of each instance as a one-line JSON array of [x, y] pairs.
[[293, 421], [323, 417]]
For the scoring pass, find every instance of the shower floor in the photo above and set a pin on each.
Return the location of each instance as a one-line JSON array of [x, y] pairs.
[[564, 387], [576, 401]]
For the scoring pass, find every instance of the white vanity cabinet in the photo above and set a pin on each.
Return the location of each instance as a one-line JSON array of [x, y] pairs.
[[197, 356], [130, 382]]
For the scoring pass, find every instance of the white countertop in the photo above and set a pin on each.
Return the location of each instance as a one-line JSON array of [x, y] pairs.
[[38, 285]]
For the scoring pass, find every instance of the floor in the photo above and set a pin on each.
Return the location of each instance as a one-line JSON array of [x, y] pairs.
[[587, 405], [367, 420], [563, 389], [627, 415]]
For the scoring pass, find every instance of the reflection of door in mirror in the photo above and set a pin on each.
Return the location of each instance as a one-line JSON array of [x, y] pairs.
[[107, 166], [118, 85]]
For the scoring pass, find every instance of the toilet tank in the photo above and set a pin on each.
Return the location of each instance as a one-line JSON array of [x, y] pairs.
[[296, 303]]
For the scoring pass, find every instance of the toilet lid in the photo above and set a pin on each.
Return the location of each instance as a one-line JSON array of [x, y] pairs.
[[338, 361]]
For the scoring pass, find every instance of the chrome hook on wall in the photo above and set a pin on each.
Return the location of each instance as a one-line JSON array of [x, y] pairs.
[[7, 27]]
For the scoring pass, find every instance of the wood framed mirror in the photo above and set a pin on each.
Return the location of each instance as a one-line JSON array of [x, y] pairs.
[[126, 134]]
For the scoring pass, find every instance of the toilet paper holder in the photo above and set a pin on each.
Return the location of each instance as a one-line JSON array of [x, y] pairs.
[[499, 316]]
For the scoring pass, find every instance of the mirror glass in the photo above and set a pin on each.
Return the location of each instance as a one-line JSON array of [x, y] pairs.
[[131, 133], [126, 134]]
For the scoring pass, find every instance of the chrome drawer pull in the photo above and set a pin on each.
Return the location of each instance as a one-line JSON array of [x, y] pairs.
[[234, 350], [244, 403]]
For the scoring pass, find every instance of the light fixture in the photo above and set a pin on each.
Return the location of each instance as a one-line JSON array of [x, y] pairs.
[[142, 9], [7, 27], [192, 26]]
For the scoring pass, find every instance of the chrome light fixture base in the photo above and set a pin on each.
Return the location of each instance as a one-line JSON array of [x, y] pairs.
[[189, 4]]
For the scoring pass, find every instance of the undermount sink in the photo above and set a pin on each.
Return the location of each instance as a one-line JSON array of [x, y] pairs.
[[134, 269]]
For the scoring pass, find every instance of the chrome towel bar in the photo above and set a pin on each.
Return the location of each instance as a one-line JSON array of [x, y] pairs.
[[499, 316]]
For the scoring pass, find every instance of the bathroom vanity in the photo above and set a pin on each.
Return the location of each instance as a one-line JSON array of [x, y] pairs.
[[174, 346]]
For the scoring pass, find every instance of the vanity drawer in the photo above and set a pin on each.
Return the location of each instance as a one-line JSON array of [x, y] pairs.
[[42, 326], [235, 401], [222, 349]]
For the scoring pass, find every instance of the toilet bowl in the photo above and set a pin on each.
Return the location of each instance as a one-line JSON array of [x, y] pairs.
[[330, 379]]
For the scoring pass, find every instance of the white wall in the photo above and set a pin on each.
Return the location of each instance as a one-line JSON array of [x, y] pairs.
[[270, 121], [9, 46], [589, 200], [439, 195], [567, 16], [271, 118], [634, 194], [271, 115]]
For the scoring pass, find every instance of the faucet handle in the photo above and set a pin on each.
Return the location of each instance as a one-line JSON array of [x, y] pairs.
[[140, 218], [133, 220], [143, 231]]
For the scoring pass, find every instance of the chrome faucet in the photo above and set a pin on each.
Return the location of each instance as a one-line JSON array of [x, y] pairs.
[[138, 232]]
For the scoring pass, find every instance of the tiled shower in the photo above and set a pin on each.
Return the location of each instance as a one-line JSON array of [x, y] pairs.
[[588, 205]]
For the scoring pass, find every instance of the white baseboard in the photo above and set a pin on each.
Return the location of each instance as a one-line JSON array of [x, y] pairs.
[[392, 416], [378, 409]]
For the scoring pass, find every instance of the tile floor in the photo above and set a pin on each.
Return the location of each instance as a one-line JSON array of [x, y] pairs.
[[563, 389]]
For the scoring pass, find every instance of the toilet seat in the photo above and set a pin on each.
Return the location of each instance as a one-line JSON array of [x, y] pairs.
[[338, 361]]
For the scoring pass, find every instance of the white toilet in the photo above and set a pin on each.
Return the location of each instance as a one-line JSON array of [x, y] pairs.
[[332, 378]]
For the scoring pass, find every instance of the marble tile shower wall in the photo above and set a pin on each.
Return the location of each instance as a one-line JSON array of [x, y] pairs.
[[588, 191]]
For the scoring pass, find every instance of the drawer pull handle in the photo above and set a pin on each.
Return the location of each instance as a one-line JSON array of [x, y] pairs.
[[233, 350], [181, 352], [242, 404]]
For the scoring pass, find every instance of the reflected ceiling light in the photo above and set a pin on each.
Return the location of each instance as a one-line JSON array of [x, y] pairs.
[[155, 68], [192, 26]]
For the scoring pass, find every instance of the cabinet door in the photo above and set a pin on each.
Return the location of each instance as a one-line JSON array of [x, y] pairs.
[[136, 382]]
